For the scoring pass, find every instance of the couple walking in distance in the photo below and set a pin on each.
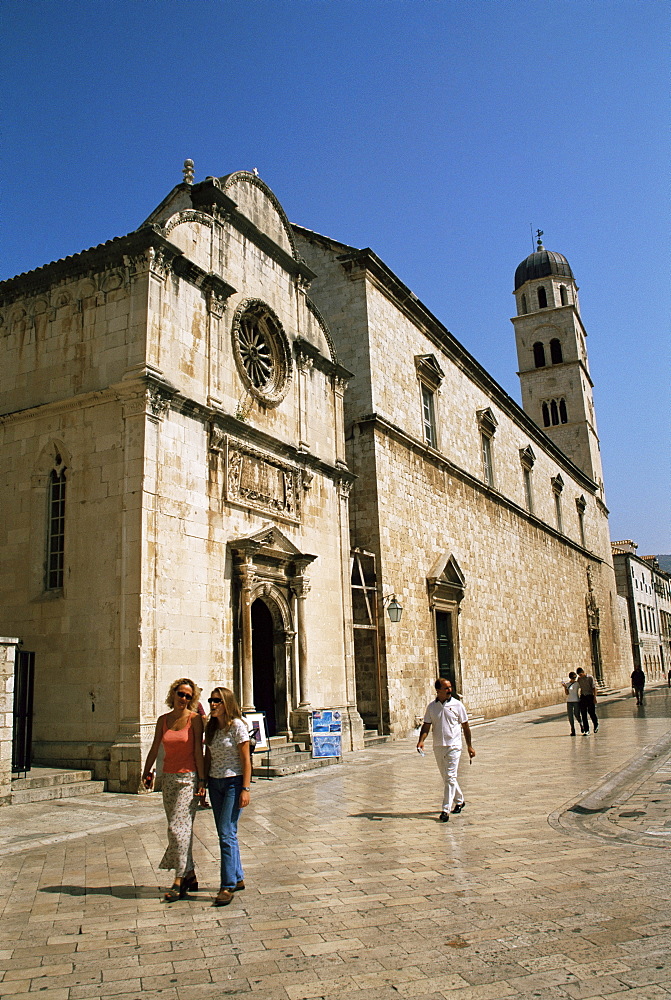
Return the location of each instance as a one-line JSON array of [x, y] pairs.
[[448, 718], [581, 701]]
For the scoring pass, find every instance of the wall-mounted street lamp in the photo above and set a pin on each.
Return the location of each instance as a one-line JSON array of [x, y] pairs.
[[394, 609]]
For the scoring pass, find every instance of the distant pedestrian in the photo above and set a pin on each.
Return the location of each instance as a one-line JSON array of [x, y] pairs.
[[668, 677], [572, 701], [638, 684], [180, 732], [448, 717], [587, 703]]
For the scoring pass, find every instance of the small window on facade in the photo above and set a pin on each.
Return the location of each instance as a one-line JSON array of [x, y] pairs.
[[557, 487], [523, 304], [546, 415], [563, 416], [542, 298], [487, 423], [555, 352], [528, 493], [554, 412], [539, 355], [488, 468], [429, 416], [558, 512], [581, 506], [56, 535], [527, 458], [563, 295]]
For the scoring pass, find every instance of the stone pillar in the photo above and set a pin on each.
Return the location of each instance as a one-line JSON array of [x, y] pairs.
[[8, 647], [301, 589], [246, 575], [303, 364]]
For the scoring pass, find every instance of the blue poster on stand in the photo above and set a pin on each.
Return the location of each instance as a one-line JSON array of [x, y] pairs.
[[326, 734]]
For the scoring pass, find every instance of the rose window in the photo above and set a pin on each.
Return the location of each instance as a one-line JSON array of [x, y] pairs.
[[261, 351]]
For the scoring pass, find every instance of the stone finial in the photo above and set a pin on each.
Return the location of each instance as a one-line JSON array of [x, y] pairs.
[[188, 172], [255, 172]]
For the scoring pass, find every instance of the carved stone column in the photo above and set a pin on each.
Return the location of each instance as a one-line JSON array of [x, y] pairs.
[[301, 589], [247, 576], [303, 364]]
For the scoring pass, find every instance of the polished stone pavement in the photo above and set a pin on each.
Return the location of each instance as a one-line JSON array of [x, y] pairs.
[[554, 882]]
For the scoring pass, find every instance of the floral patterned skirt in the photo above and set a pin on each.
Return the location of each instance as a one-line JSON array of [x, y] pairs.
[[179, 802]]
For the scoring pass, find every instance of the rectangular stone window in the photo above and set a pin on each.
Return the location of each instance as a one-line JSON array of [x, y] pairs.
[[487, 463], [56, 536], [429, 416]]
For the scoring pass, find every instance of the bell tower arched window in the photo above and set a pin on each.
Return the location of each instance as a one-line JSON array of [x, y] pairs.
[[554, 413], [556, 355], [523, 304], [563, 416], [539, 355], [542, 298], [563, 295], [546, 415]]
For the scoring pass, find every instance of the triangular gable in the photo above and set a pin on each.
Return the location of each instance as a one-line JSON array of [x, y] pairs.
[[446, 569], [268, 538]]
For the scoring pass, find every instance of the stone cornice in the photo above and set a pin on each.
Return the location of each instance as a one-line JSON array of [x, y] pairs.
[[320, 362], [253, 436], [114, 253], [95, 398], [386, 428], [153, 382], [96, 258]]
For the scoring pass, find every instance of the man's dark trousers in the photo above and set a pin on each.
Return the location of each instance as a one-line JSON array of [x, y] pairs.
[[588, 706]]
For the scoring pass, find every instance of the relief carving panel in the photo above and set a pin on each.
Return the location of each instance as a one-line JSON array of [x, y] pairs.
[[262, 482]]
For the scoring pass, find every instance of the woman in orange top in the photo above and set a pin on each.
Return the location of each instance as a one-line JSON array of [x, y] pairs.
[[180, 731]]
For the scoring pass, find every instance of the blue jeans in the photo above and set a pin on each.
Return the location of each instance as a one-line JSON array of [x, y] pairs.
[[225, 799]]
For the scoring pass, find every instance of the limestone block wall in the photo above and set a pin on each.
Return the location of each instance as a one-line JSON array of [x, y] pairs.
[[8, 646], [81, 632], [76, 335], [522, 622]]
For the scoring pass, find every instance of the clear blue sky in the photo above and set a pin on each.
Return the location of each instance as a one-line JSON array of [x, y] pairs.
[[432, 131]]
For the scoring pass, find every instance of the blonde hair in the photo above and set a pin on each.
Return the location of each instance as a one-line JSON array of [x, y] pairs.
[[193, 703], [231, 711]]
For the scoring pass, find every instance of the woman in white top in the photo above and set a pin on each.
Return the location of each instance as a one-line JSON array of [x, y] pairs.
[[228, 765]]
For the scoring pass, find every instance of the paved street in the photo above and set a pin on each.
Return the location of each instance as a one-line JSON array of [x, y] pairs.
[[554, 882]]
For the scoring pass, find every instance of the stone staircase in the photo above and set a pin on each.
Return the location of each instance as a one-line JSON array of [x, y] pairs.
[[45, 783], [287, 758], [372, 738]]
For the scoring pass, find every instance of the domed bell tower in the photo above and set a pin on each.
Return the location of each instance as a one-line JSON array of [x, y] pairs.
[[552, 358]]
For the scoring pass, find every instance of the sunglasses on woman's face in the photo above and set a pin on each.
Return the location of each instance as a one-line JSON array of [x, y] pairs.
[[183, 694], [214, 701]]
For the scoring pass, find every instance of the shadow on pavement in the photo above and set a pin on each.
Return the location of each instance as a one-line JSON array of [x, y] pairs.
[[378, 816], [120, 891]]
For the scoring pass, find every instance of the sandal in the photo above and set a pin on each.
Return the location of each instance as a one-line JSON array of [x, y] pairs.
[[175, 892]]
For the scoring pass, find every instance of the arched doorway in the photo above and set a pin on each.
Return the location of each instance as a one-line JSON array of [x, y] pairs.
[[263, 663]]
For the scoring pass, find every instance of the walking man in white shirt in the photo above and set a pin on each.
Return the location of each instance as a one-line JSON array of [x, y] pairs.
[[448, 717]]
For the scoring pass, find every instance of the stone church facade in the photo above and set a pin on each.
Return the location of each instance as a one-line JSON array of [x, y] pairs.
[[215, 464]]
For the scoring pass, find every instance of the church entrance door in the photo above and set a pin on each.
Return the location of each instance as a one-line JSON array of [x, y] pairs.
[[263, 663]]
